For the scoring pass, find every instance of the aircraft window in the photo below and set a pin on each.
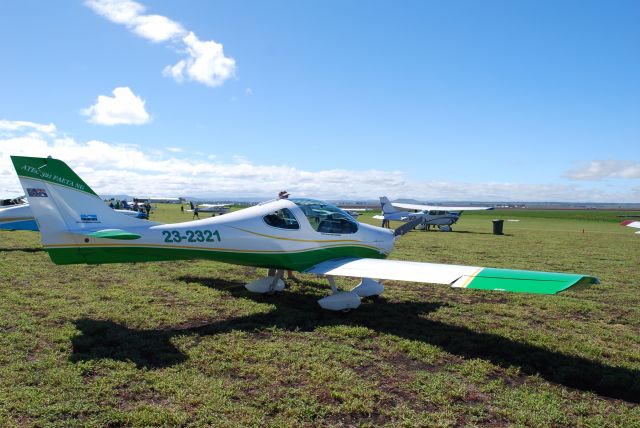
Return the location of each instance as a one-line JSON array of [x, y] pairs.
[[282, 219], [325, 217], [432, 212]]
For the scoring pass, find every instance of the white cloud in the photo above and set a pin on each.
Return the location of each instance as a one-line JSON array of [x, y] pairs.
[[119, 11], [124, 108], [157, 28], [205, 62], [174, 149], [600, 169], [8, 127], [129, 13], [118, 168]]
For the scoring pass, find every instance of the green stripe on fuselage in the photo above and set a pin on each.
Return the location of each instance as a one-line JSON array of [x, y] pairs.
[[298, 261], [114, 234], [521, 281]]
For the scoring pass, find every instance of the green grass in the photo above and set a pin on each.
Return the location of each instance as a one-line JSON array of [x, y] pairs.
[[184, 344]]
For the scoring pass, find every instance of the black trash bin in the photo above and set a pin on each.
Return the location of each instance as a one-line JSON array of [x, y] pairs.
[[497, 227]]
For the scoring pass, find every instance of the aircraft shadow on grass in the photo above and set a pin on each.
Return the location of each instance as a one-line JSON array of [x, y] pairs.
[[25, 250], [299, 312], [470, 232]]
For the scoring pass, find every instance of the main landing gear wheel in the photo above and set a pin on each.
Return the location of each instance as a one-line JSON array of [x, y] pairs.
[[269, 284], [347, 300]]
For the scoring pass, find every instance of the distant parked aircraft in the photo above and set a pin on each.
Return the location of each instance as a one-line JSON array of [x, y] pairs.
[[211, 208], [354, 212], [432, 215], [159, 200]]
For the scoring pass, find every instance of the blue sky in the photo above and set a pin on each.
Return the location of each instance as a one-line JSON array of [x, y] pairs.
[[479, 100]]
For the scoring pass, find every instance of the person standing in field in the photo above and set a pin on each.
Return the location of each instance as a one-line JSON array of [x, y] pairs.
[[283, 195]]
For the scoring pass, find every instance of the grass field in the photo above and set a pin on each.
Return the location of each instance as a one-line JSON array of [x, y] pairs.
[[184, 344]]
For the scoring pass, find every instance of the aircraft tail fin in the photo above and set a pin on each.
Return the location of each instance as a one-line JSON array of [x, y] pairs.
[[64, 206], [387, 208]]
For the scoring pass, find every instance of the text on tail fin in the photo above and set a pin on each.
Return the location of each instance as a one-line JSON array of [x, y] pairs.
[[50, 170]]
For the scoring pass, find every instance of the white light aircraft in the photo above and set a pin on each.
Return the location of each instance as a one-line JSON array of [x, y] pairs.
[[431, 215], [299, 234], [632, 223], [159, 200], [212, 208], [354, 212]]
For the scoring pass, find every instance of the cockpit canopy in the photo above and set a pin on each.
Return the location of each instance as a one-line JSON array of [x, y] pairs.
[[326, 218], [282, 219]]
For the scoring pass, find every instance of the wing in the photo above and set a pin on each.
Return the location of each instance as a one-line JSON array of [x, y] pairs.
[[437, 207], [454, 275], [631, 223]]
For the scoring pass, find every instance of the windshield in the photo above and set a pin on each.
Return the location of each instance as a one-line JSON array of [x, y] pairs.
[[325, 217]]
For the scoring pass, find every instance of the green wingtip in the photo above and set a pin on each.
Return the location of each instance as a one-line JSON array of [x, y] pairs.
[[520, 281], [114, 234]]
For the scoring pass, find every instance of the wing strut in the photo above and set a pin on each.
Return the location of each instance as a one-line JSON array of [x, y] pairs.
[[407, 226]]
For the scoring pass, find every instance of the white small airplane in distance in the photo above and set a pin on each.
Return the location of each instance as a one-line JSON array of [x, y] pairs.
[[211, 208], [304, 235], [431, 215], [159, 200], [354, 212], [632, 223]]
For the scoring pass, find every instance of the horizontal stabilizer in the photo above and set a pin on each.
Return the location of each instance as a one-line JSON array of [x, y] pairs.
[[395, 216], [454, 275], [113, 234]]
